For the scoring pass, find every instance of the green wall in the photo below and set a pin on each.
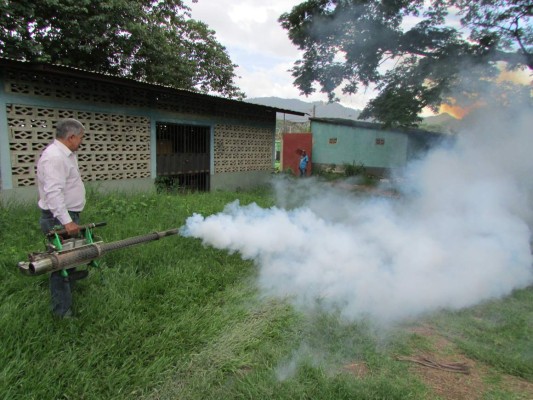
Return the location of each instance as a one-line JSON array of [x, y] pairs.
[[357, 145]]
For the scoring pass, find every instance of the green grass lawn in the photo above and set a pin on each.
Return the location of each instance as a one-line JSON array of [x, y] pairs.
[[173, 319]]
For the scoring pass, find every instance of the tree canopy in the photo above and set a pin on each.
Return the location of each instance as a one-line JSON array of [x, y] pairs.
[[409, 50], [154, 41]]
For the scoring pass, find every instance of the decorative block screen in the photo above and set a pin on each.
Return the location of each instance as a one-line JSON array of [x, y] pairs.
[[115, 146], [243, 148], [93, 91]]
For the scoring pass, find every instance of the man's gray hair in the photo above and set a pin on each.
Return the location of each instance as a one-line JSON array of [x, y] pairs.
[[68, 126]]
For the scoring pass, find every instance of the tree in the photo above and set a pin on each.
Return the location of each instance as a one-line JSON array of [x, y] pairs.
[[352, 43], [149, 40]]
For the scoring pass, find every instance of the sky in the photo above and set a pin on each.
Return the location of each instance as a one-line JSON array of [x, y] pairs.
[[256, 42]]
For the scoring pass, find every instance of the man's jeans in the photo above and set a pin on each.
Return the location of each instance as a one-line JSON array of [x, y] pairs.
[[60, 290]]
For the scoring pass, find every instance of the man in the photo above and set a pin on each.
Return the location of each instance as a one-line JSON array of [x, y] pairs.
[[61, 200]]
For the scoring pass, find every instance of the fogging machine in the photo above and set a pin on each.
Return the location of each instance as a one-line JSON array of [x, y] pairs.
[[64, 252]]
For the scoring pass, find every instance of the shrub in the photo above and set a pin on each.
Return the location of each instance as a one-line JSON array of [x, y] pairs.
[[354, 169]]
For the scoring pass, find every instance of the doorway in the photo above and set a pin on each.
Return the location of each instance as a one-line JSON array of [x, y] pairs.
[[183, 156]]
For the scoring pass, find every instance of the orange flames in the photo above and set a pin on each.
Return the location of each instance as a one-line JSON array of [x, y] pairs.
[[519, 77], [454, 111], [457, 111]]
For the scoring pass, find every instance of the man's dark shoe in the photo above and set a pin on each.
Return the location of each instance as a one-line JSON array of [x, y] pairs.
[[77, 275]]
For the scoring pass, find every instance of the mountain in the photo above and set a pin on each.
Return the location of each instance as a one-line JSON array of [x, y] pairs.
[[317, 109], [444, 123], [440, 119]]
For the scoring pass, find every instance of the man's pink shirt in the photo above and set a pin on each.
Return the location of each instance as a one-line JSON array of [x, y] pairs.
[[58, 179]]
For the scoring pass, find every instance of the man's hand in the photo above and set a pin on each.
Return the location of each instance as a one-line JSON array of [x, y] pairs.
[[72, 228]]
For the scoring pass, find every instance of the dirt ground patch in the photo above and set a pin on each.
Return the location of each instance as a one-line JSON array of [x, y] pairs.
[[450, 385], [359, 369]]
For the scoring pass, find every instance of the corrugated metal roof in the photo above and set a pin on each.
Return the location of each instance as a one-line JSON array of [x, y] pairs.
[[106, 77], [373, 125]]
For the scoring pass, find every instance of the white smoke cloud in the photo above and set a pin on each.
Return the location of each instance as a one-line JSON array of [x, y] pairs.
[[459, 235]]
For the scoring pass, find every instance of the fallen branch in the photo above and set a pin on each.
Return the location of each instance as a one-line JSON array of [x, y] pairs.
[[461, 368]]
